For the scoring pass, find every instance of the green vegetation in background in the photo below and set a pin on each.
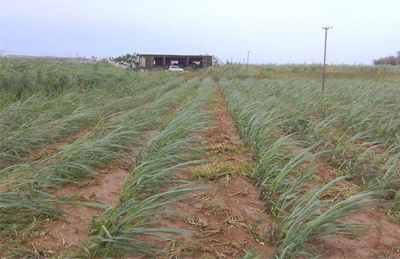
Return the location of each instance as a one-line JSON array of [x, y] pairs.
[[379, 73]]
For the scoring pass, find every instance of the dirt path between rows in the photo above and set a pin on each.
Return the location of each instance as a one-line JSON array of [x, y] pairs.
[[379, 239], [228, 219]]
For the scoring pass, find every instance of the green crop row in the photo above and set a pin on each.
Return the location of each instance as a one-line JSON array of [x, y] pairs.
[[122, 228], [302, 213]]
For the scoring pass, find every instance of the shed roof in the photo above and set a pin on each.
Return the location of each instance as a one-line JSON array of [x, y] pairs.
[[173, 56]]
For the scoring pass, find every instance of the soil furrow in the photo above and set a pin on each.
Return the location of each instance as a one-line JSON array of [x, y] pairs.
[[228, 218]]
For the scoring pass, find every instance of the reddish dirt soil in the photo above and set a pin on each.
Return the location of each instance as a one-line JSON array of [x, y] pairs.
[[228, 218], [379, 239], [61, 236]]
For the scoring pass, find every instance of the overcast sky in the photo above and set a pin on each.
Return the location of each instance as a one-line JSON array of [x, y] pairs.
[[284, 31]]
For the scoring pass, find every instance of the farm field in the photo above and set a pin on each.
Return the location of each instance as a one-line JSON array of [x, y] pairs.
[[96, 161]]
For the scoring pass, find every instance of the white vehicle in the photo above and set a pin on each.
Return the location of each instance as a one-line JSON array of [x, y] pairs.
[[175, 68]]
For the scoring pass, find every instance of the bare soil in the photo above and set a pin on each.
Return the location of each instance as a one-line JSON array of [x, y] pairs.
[[379, 239], [66, 235]]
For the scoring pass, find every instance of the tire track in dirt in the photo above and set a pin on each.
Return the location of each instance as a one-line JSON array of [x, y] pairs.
[[227, 219]]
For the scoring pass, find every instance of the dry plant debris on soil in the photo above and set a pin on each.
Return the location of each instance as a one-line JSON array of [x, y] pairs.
[[227, 219]]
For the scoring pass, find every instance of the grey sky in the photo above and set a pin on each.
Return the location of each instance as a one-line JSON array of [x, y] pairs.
[[285, 31]]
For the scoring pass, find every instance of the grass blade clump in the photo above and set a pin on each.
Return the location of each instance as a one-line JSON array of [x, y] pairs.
[[313, 217]]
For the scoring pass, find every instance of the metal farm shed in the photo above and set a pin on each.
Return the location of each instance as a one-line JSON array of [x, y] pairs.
[[159, 60]]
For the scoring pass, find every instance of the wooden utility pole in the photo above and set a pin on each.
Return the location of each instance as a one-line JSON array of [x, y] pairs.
[[248, 52], [323, 72]]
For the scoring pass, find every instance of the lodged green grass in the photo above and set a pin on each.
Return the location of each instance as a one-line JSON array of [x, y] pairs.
[[38, 119], [354, 128], [123, 114], [121, 229], [33, 182]]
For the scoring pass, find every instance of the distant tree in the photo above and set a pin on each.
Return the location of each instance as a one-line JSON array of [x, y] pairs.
[[389, 60], [216, 61], [129, 60]]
